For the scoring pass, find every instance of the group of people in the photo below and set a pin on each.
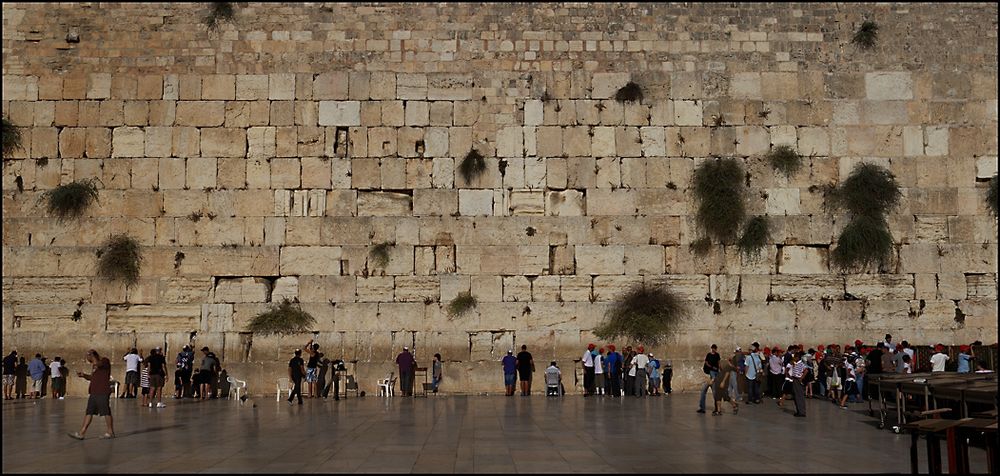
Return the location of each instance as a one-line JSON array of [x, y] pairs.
[[16, 372], [824, 372], [148, 375]]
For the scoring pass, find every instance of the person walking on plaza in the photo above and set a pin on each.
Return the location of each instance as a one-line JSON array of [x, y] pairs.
[[9, 368], [37, 370], [157, 377], [132, 359], [722, 388], [638, 372], [553, 379], [58, 379], [850, 381], [509, 365], [99, 402], [710, 367], [437, 372], [736, 362], [588, 370], [312, 368], [754, 373], [797, 373], [296, 371], [407, 368], [614, 371], [525, 367]]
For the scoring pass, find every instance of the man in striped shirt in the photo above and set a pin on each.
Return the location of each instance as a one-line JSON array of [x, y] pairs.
[[797, 373]]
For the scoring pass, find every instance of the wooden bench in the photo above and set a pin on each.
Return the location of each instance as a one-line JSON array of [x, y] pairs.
[[933, 428]]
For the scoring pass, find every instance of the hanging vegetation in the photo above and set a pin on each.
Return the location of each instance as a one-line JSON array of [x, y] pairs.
[[868, 195], [219, 12], [12, 138], [461, 304], [720, 190], [756, 234], [286, 317], [643, 315], [784, 159], [120, 259], [71, 200], [379, 254], [991, 195], [472, 166], [630, 92], [866, 36]]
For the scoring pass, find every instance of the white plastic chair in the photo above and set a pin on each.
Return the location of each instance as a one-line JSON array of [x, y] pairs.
[[385, 385], [114, 384], [283, 384], [236, 386]]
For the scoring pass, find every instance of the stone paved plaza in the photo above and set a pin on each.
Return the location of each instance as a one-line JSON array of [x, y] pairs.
[[452, 434]]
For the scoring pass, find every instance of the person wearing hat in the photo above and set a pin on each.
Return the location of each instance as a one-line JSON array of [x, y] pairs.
[[588, 370], [668, 375], [964, 359], [509, 365], [599, 366], [209, 367], [407, 368], [638, 371], [653, 369], [296, 372], [734, 380], [939, 359], [614, 376]]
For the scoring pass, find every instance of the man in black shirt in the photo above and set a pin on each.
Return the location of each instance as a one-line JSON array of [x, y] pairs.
[[525, 367], [296, 370], [873, 366], [157, 377], [711, 367]]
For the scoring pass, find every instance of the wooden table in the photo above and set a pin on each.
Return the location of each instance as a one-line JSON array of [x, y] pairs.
[[933, 428], [972, 427]]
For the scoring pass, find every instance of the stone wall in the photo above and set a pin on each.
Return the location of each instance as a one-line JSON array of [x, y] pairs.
[[264, 159]]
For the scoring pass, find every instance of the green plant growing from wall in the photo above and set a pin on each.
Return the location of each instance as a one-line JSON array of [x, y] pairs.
[[379, 254], [630, 92], [784, 159], [219, 12], [756, 234], [720, 191], [461, 304], [991, 195], [867, 36], [71, 200], [120, 259], [643, 314], [868, 195], [286, 317], [472, 166], [12, 138]]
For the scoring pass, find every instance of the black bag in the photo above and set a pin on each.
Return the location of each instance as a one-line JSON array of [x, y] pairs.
[[707, 369]]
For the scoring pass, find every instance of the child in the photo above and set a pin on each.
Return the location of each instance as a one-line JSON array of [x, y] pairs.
[[668, 374], [850, 384], [907, 367], [144, 382]]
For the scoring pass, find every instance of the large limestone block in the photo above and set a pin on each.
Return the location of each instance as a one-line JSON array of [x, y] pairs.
[[600, 259], [516, 289], [605, 85], [384, 204], [31, 290], [216, 317], [417, 288], [286, 287], [981, 286], [611, 202], [435, 202], [881, 286], [162, 317], [223, 142], [128, 142], [806, 287], [475, 202], [311, 260], [691, 287], [242, 290], [339, 113], [565, 203], [237, 261], [185, 290], [888, 85], [375, 288], [526, 202], [803, 260], [200, 113], [510, 142], [642, 260], [610, 288]]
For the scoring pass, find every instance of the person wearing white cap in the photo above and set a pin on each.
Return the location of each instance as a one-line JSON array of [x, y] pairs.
[[407, 368], [734, 381]]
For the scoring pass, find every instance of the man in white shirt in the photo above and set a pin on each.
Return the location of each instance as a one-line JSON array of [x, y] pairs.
[[939, 359], [599, 371], [889, 344], [638, 370], [588, 371], [132, 360], [553, 378], [57, 379]]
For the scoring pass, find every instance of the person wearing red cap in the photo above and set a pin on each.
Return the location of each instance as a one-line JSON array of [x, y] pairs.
[[599, 381], [939, 359], [588, 370], [964, 359], [614, 362]]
